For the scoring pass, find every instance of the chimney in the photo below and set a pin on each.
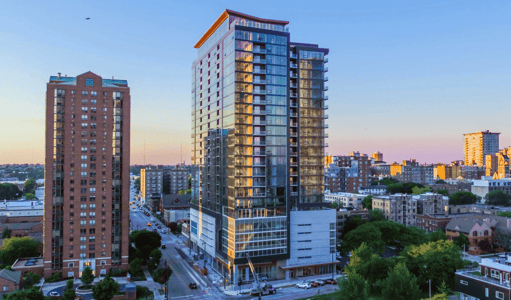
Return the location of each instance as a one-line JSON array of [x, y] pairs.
[[59, 74]]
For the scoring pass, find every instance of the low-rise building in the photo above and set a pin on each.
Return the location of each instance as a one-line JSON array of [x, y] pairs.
[[433, 222], [33, 265], [452, 188], [431, 203], [10, 280], [346, 199], [487, 184], [373, 190], [477, 229], [490, 280], [412, 171], [176, 216], [22, 229], [400, 208], [175, 202]]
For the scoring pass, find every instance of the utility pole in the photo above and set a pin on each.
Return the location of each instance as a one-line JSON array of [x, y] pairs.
[[430, 289]]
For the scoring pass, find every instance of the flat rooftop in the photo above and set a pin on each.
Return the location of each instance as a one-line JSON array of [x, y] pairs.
[[28, 262]]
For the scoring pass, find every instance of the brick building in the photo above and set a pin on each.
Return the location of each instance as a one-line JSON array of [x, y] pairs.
[[399, 208], [358, 170], [10, 280], [412, 171], [87, 182]]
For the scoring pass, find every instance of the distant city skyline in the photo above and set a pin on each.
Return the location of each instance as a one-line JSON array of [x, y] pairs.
[[407, 79]]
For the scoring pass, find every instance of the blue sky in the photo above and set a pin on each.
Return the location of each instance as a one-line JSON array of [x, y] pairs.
[[407, 78]]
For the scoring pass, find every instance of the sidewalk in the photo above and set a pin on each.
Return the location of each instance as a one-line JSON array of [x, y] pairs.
[[153, 286], [217, 280]]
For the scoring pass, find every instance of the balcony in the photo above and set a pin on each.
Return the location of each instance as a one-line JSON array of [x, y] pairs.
[[293, 94], [292, 65], [326, 88], [294, 153], [325, 106], [256, 91], [259, 50], [294, 163], [260, 133], [293, 134], [293, 114], [259, 71], [294, 104], [259, 61], [291, 74], [293, 124], [326, 78], [326, 59], [325, 98], [292, 55], [326, 70], [293, 85], [294, 193]]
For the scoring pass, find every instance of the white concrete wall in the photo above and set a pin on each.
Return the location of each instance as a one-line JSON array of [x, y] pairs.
[[205, 236], [319, 237]]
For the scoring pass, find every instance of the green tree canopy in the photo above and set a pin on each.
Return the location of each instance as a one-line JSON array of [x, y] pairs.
[[333, 205], [9, 191], [403, 188], [400, 284], [440, 181], [354, 287], [461, 240], [136, 267], [30, 185], [442, 192], [437, 261], [376, 215], [137, 183], [498, 198], [27, 294], [506, 214], [155, 260], [367, 233], [7, 233], [145, 241], [462, 197], [30, 196], [17, 247], [420, 190], [504, 238], [87, 277], [367, 202], [352, 223], [106, 289], [69, 293], [385, 181], [437, 235]]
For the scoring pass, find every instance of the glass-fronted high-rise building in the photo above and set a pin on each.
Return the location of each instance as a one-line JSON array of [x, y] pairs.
[[258, 132]]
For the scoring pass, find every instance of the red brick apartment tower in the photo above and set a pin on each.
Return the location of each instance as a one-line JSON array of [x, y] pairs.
[[86, 212]]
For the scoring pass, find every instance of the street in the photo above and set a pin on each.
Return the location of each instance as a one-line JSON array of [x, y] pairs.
[[182, 274]]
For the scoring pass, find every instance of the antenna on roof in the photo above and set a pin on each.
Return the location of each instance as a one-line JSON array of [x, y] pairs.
[[59, 74]]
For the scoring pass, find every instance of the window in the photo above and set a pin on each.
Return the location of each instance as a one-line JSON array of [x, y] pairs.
[[84, 166], [89, 82], [85, 117], [92, 190], [464, 282], [83, 247], [499, 295], [6, 288], [83, 223], [92, 222], [104, 109], [85, 93], [83, 255], [93, 93], [70, 274]]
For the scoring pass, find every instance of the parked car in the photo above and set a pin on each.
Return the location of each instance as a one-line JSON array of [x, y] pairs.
[[330, 281], [163, 246], [53, 294], [320, 282], [314, 284], [193, 285], [303, 285]]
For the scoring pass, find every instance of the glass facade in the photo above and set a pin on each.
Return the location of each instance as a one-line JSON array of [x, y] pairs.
[[257, 135]]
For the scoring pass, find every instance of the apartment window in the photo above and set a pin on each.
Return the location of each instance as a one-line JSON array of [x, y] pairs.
[[85, 101], [83, 231], [71, 231], [89, 82], [83, 255], [103, 262], [92, 190], [304, 224], [93, 101], [92, 206], [94, 93], [104, 109], [71, 247], [83, 247], [83, 223], [83, 215], [304, 257], [71, 239], [85, 125], [464, 282], [92, 222], [83, 206], [304, 233], [92, 238], [85, 117], [499, 295], [92, 214]]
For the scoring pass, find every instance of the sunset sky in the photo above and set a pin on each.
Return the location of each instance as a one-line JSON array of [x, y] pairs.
[[407, 78]]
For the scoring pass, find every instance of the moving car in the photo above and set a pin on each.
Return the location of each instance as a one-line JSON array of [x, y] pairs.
[[193, 285], [303, 285], [330, 281], [163, 246]]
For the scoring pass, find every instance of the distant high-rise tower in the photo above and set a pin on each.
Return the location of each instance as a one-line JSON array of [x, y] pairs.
[[478, 145], [258, 138], [86, 208], [377, 156]]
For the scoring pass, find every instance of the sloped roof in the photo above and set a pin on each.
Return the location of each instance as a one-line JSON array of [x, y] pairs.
[[14, 276], [176, 200], [20, 226], [465, 224]]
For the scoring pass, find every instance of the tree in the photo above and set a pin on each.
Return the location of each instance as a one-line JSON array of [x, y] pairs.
[[172, 226], [367, 233], [400, 284], [437, 261], [137, 184], [354, 287], [352, 223], [376, 215], [7, 233], [504, 239], [333, 205], [30, 196], [155, 260], [461, 240], [69, 293], [442, 192], [485, 245], [27, 294], [9, 191], [498, 198], [135, 267], [385, 181], [462, 197], [441, 296], [420, 190], [442, 288], [145, 241], [30, 186], [106, 289], [506, 214], [87, 277], [437, 235], [440, 181], [367, 202], [17, 247]]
